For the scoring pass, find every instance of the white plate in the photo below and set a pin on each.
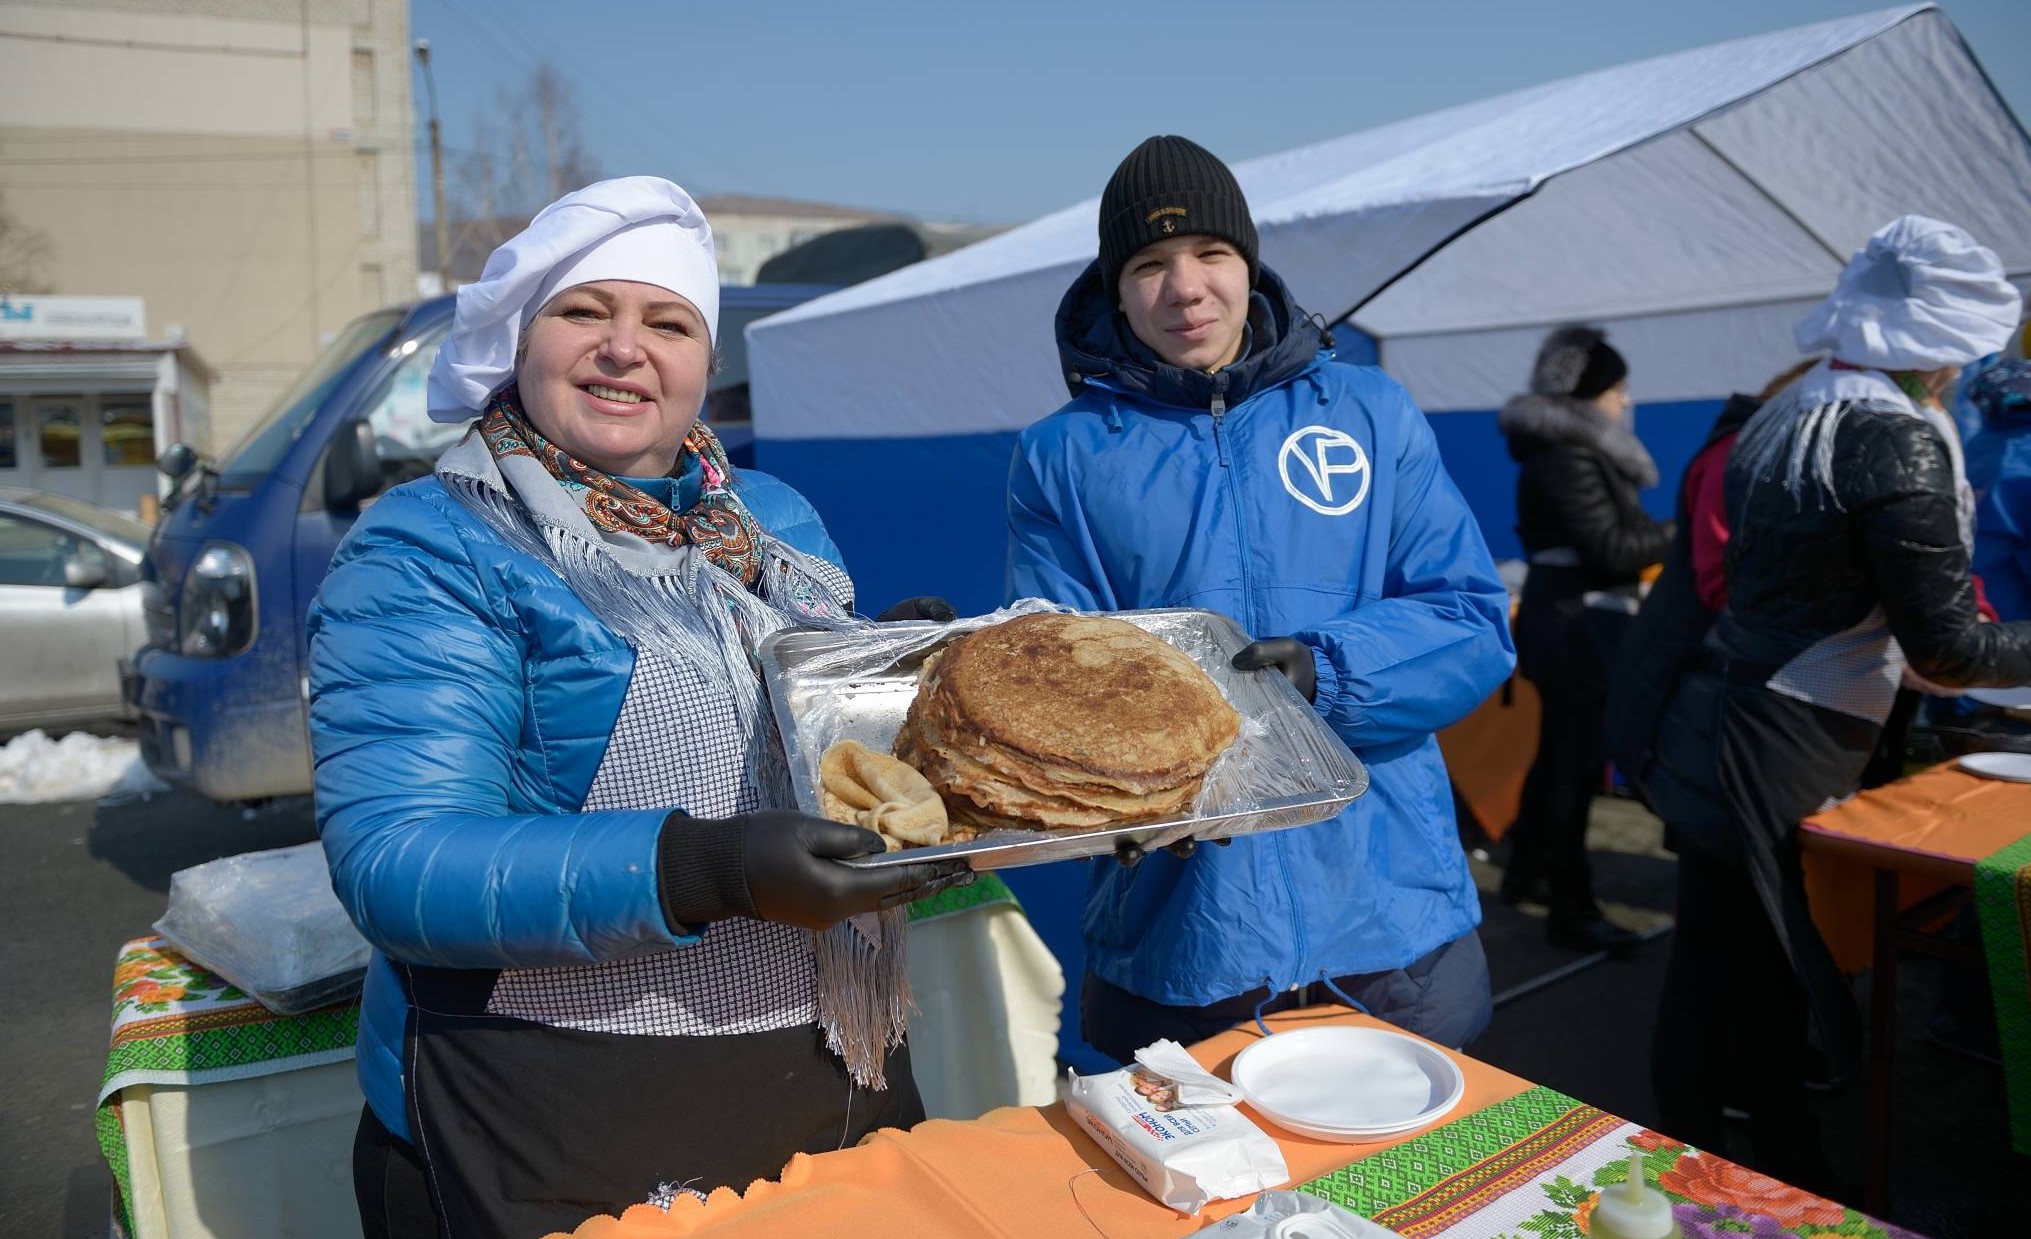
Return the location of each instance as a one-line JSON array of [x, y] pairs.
[[1348, 1084], [2008, 698], [2016, 767]]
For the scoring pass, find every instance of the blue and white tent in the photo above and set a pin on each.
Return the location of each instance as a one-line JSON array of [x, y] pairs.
[[1695, 204]]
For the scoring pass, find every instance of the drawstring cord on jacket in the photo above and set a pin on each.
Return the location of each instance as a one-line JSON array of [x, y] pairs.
[[1270, 995]]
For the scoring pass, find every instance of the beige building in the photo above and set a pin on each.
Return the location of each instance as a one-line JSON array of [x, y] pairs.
[[748, 230], [243, 167]]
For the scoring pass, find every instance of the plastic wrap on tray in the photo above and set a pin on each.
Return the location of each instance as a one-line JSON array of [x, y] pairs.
[[1286, 768]]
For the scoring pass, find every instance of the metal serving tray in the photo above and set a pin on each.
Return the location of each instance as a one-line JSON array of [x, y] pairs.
[[1286, 769]]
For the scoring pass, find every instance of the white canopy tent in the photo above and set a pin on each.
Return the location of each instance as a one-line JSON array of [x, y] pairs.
[[1694, 203]]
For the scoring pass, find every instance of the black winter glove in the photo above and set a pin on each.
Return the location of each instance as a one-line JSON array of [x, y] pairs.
[[1288, 655], [923, 607], [779, 865], [1129, 853]]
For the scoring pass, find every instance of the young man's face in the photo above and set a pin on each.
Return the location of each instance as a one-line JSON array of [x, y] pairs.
[[1187, 298]]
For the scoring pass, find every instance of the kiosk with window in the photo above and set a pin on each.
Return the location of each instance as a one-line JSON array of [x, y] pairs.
[[87, 401]]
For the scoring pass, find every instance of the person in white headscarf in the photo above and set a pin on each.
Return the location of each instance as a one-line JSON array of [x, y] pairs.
[[1847, 571], [611, 962]]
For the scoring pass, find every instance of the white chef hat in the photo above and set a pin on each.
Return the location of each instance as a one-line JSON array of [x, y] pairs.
[[1920, 295], [640, 228]]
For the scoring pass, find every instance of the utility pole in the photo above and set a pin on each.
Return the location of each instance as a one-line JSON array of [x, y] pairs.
[[436, 172]]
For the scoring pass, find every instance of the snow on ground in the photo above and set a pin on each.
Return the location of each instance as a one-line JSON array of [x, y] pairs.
[[80, 766]]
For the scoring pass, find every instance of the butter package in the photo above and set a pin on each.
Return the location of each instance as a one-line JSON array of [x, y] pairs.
[[1175, 1127]]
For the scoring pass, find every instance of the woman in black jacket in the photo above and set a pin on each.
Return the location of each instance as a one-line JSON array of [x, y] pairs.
[[1585, 534], [1847, 575]]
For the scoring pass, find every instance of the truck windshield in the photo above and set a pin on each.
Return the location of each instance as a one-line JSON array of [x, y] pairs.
[[257, 453]]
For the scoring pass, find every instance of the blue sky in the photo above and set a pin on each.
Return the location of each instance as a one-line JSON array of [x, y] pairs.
[[1000, 113]]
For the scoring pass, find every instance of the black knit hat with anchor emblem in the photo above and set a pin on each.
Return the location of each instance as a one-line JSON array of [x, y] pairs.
[[1170, 186]]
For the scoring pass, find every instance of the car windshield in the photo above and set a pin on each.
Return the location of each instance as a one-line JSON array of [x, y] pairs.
[[119, 528], [261, 449]]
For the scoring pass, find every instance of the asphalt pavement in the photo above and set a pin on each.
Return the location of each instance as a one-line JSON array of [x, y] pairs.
[[78, 879]]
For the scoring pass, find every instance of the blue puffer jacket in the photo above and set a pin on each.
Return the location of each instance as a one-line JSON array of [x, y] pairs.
[[461, 699], [1999, 469], [1300, 496]]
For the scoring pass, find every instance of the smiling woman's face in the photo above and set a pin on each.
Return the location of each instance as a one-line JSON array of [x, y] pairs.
[[614, 373]]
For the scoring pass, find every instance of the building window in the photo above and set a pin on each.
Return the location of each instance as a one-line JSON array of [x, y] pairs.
[[363, 87], [59, 423], [127, 427], [8, 457]]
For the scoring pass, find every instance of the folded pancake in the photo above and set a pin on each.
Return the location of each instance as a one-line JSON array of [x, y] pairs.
[[864, 788]]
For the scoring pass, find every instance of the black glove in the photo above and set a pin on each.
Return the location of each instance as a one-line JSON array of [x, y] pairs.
[[922, 607], [1288, 655], [1129, 853], [779, 865]]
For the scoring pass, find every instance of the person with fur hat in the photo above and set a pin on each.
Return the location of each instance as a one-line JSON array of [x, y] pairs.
[[1581, 469], [610, 961], [1216, 453], [1851, 523]]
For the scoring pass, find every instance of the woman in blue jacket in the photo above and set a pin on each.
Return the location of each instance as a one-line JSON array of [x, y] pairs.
[[608, 966], [1215, 454]]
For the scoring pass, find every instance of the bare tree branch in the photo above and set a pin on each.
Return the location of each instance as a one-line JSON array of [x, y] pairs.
[[24, 255], [526, 153]]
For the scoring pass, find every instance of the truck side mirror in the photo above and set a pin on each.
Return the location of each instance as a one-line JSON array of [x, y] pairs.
[[352, 469], [176, 461]]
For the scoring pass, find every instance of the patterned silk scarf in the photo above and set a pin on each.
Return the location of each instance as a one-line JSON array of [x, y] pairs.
[[717, 524], [701, 587]]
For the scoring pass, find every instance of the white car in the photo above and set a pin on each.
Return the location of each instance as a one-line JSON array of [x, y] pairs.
[[70, 608]]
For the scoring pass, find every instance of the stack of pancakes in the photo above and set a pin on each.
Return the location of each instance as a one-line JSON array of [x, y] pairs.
[[1063, 722]]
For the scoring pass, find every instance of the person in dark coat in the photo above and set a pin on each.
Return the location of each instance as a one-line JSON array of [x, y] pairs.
[[1586, 535], [1847, 574], [1665, 638]]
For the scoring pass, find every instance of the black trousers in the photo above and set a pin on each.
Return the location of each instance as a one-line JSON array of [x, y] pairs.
[[1442, 996], [1550, 835], [1731, 1026]]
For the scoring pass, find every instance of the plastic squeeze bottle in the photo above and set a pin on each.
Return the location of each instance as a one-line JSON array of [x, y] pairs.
[[1632, 1209]]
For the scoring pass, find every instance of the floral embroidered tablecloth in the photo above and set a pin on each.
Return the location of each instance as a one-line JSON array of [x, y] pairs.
[[176, 1023], [1533, 1166]]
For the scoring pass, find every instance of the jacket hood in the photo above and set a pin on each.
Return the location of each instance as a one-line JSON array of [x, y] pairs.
[[1733, 416], [1094, 341], [1533, 422]]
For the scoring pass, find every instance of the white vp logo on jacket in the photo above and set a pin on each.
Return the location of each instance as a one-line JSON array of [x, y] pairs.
[[1331, 470]]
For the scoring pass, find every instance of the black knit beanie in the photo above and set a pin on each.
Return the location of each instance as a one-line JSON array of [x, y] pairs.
[[1170, 186], [1579, 362]]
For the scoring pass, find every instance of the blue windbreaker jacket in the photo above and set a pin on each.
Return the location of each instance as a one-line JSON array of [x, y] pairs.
[[1302, 496], [461, 700], [1999, 469]]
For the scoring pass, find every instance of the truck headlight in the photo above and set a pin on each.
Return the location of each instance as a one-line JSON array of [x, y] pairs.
[[218, 602]]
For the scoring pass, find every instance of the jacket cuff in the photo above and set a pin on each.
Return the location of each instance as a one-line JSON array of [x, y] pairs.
[[1326, 691], [700, 876]]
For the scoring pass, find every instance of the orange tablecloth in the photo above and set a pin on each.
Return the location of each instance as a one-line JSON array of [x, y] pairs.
[[1931, 827], [1013, 1172]]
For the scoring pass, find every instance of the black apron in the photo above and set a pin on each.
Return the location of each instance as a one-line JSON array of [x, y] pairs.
[[526, 1128], [1737, 767]]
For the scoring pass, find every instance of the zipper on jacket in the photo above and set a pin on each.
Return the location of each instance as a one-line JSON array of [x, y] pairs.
[[1300, 948], [1218, 407]]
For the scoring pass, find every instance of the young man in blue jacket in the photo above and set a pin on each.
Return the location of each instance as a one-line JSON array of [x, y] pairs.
[[1215, 454]]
